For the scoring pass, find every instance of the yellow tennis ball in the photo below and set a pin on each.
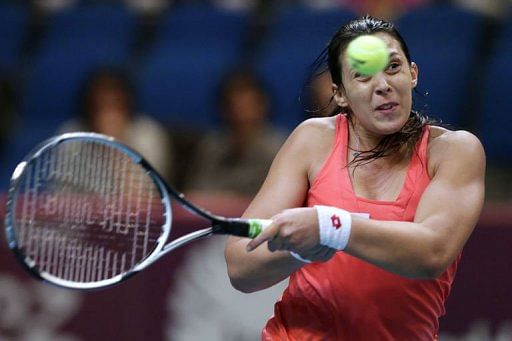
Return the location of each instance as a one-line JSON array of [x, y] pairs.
[[368, 54]]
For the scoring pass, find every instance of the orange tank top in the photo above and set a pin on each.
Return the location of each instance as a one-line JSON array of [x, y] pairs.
[[346, 298]]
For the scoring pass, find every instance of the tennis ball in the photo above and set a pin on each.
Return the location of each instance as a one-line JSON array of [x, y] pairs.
[[368, 55]]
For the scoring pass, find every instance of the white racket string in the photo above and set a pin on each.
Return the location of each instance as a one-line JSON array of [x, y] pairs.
[[86, 213]]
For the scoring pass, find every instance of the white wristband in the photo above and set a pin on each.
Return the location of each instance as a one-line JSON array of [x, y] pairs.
[[335, 226], [299, 257]]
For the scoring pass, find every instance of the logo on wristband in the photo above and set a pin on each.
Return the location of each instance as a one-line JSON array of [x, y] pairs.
[[336, 221]]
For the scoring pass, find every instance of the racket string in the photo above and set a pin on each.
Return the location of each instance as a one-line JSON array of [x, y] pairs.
[[87, 212]]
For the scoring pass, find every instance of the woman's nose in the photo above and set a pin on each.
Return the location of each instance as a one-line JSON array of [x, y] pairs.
[[382, 85]]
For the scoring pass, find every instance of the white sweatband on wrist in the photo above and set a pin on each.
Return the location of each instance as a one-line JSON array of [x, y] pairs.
[[299, 257], [334, 226]]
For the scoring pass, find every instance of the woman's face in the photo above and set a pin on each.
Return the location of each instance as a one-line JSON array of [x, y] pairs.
[[380, 104]]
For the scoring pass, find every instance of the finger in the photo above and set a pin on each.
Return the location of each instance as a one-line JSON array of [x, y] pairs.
[[276, 243], [272, 246], [266, 235]]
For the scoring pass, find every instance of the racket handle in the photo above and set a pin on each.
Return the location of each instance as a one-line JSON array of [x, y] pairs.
[[256, 226], [242, 227]]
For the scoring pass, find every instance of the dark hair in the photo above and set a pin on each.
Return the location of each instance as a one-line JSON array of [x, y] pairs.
[[237, 80], [411, 132], [241, 77]]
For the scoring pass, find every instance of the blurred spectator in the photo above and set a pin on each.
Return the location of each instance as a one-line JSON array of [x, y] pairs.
[[494, 8], [108, 107], [148, 7], [236, 5], [228, 168], [323, 4], [389, 9], [52, 6], [386, 9], [320, 96], [236, 158], [141, 6]]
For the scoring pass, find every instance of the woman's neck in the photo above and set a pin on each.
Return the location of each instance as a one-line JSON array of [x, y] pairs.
[[360, 140]]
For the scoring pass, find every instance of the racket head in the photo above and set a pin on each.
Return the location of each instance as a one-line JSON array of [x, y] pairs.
[[85, 211]]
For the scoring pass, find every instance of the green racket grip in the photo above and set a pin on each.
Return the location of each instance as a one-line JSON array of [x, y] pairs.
[[256, 226]]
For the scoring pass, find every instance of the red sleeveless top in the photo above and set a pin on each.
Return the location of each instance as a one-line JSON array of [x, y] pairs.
[[346, 298]]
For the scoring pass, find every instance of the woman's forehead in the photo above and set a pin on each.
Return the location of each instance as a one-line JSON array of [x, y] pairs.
[[392, 43]]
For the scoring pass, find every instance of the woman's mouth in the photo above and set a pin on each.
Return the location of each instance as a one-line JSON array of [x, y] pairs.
[[387, 108]]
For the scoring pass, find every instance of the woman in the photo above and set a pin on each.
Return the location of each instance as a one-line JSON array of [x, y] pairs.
[[396, 199]]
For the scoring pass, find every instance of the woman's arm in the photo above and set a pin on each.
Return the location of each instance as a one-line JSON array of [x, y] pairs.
[[445, 218], [446, 215], [285, 187]]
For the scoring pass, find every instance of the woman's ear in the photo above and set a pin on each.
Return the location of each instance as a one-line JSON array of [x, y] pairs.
[[414, 74], [339, 97]]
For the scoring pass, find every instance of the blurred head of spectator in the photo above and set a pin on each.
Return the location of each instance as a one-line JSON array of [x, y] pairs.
[[108, 103], [52, 6], [386, 9], [244, 105], [108, 106], [236, 5], [320, 93], [148, 7], [498, 9]]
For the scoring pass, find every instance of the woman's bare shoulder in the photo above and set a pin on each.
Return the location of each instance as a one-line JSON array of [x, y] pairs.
[[316, 129], [441, 137], [314, 133], [447, 144], [319, 123]]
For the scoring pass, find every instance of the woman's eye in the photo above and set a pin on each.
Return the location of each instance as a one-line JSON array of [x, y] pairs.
[[393, 66], [360, 76]]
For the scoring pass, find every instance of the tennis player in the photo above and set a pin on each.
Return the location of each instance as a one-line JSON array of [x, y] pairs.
[[371, 208]]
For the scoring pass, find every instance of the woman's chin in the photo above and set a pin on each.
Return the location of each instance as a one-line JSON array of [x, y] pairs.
[[388, 128], [390, 125]]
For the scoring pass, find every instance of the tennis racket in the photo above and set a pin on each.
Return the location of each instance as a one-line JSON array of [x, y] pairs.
[[85, 211]]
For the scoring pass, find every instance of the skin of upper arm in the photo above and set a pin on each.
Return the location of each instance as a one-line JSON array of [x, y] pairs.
[[286, 184], [452, 203]]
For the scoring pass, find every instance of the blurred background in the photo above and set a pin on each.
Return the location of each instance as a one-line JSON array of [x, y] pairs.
[[207, 91]]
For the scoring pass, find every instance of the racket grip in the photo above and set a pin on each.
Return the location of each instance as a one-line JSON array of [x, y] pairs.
[[242, 227], [256, 226]]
